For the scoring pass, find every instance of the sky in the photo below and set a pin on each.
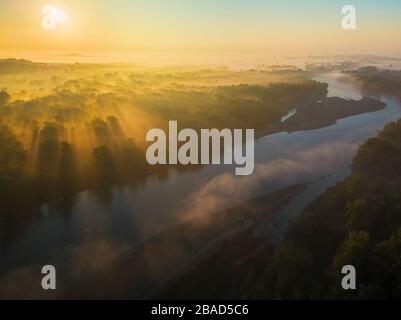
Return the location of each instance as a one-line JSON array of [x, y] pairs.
[[284, 27]]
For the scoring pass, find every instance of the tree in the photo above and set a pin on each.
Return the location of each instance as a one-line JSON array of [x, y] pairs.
[[288, 275], [4, 98], [355, 211], [387, 261]]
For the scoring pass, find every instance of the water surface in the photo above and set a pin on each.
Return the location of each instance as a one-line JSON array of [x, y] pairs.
[[126, 215]]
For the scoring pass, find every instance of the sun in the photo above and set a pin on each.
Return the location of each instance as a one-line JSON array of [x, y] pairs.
[[52, 17]]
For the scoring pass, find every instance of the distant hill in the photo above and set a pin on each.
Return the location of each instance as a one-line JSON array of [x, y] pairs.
[[10, 66]]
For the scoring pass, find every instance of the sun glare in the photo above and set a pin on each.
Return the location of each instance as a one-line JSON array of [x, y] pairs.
[[52, 17]]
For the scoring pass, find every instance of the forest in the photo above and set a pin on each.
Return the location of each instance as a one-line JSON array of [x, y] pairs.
[[357, 222], [71, 127]]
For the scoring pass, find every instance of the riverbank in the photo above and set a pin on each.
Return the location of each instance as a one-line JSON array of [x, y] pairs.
[[326, 112], [140, 271]]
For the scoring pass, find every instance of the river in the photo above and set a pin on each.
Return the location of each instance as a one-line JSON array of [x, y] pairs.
[[130, 215]]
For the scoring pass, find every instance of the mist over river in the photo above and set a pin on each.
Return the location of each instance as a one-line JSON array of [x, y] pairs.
[[125, 216]]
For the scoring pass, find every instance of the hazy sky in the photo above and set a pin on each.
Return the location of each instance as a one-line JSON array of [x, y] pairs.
[[284, 27]]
